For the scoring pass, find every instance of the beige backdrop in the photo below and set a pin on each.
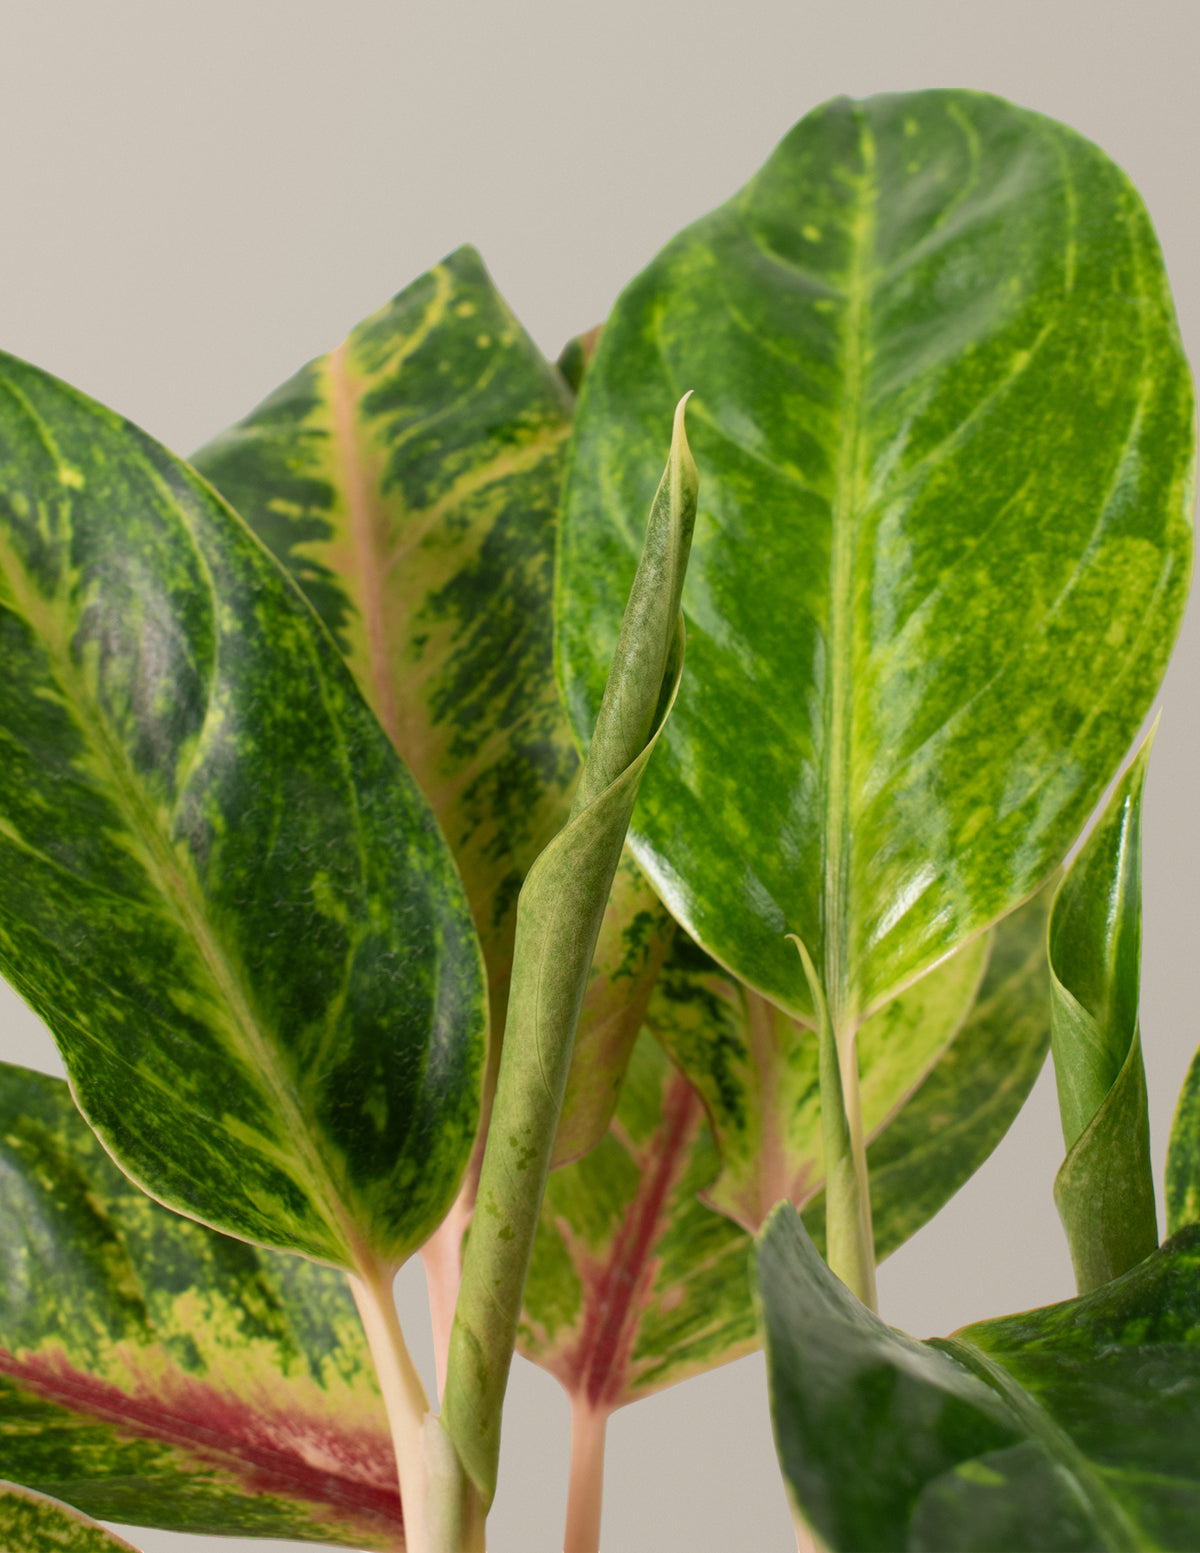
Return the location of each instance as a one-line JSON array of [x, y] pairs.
[[196, 198]]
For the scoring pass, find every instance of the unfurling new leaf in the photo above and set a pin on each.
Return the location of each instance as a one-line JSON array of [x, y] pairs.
[[1105, 1189], [558, 919]]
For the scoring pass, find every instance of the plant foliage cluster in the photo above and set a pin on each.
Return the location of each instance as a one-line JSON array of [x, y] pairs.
[[651, 922]]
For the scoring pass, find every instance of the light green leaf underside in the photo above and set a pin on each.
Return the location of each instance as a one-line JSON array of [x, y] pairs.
[[409, 482], [218, 885], [756, 1068], [31, 1523], [1063, 1430], [945, 433], [1105, 1188], [634, 1283], [155, 1372]]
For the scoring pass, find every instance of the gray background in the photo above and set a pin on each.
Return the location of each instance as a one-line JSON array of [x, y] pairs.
[[194, 199]]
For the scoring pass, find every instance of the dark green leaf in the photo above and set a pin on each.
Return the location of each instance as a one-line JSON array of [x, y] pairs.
[[218, 885], [31, 1523], [155, 1372], [1063, 1429], [946, 435], [1105, 1188]]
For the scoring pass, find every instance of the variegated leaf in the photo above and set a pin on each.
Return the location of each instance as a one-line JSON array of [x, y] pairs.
[[157, 1373], [946, 438], [218, 885], [409, 481], [32, 1523]]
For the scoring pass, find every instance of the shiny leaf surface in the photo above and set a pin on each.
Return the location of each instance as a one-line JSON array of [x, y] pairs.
[[218, 885], [634, 1283], [1061, 1430], [1105, 1188], [32, 1523], [945, 431], [155, 1372], [409, 482]]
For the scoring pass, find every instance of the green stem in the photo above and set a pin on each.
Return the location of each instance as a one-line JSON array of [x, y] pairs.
[[849, 1235]]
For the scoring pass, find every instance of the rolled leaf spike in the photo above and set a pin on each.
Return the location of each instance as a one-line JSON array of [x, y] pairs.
[[558, 919], [1105, 1189]]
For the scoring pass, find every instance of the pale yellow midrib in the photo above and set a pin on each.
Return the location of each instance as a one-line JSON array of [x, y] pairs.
[[839, 725]]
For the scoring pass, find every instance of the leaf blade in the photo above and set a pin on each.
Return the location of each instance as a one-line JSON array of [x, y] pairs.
[[155, 1372], [176, 724], [974, 753], [1033, 1431]]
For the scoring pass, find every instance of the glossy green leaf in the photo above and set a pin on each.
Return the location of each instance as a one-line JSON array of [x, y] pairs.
[[634, 1283], [756, 1068], [1105, 1188], [218, 885], [409, 482], [945, 1131], [155, 1372], [945, 430], [1069, 1429], [559, 918], [32, 1523]]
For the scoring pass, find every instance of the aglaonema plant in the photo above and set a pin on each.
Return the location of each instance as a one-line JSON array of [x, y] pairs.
[[427, 826]]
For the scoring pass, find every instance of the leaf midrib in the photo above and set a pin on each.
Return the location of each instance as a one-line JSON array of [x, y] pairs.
[[849, 487]]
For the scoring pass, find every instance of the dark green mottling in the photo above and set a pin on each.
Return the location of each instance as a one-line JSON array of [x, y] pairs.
[[1062, 1429], [31, 1523], [218, 885], [945, 435], [1104, 1191], [97, 1276]]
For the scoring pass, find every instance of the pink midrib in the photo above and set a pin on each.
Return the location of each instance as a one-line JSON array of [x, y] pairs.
[[264, 1467], [600, 1367]]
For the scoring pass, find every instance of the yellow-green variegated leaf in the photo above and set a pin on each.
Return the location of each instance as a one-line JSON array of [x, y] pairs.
[[945, 434], [219, 886], [32, 1523], [157, 1373], [756, 1068], [409, 481], [635, 1284]]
